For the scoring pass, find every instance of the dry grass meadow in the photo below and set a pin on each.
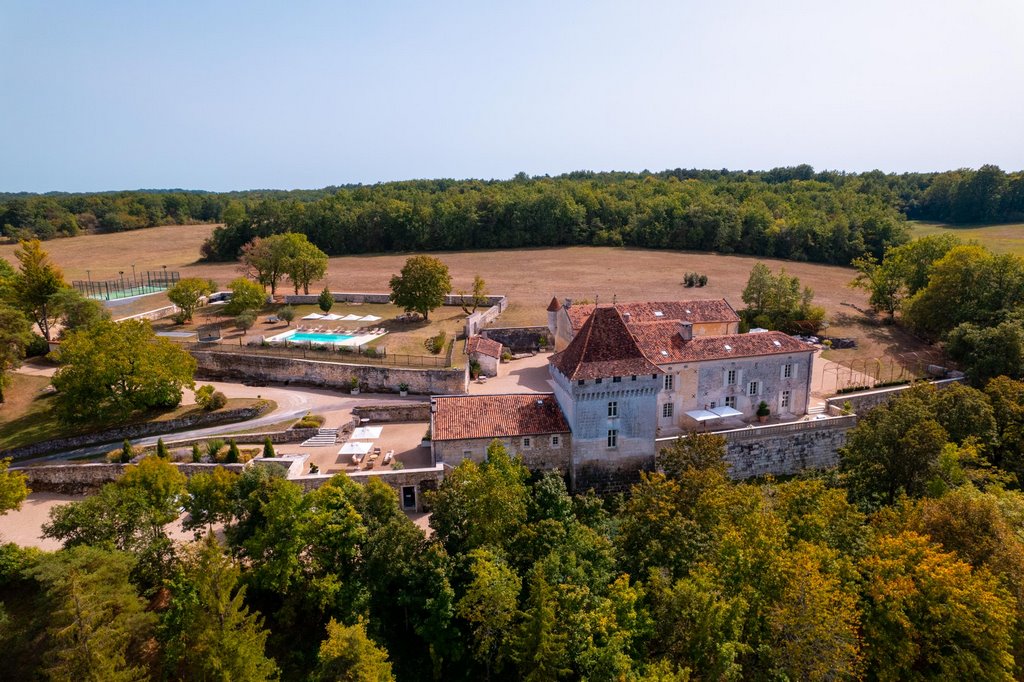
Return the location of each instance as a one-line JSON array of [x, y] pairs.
[[1007, 238], [529, 277]]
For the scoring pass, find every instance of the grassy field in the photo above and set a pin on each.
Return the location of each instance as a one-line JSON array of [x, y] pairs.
[[28, 414], [1007, 238], [529, 277]]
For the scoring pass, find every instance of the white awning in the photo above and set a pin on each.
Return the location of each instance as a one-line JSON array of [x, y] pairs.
[[367, 433], [313, 316], [355, 448], [701, 415], [371, 318], [331, 317], [726, 411], [350, 318]]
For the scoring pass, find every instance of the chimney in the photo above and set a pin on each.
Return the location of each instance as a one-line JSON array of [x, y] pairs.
[[686, 330], [626, 317], [567, 303]]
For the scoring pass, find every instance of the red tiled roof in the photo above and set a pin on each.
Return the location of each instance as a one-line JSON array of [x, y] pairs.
[[662, 343], [483, 346], [496, 416], [603, 347], [698, 312], [554, 305]]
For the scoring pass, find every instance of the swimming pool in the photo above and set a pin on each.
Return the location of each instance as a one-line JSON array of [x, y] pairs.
[[319, 337]]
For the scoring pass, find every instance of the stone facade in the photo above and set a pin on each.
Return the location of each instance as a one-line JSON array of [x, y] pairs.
[[718, 383], [411, 485], [519, 339], [404, 412], [545, 452], [218, 364]]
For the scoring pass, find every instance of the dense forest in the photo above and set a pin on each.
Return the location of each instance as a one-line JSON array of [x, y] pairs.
[[794, 212], [905, 563]]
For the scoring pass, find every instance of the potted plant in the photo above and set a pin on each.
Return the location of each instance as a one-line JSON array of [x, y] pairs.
[[763, 412], [474, 369], [425, 443], [354, 383], [403, 389]]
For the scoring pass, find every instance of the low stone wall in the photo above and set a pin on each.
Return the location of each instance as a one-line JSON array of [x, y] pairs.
[[478, 320], [404, 412], [157, 314], [362, 297], [518, 339], [783, 449], [276, 437], [81, 479], [217, 364], [423, 480], [141, 430], [863, 401]]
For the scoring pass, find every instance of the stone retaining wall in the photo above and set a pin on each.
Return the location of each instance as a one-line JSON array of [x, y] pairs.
[[863, 401], [423, 480], [405, 412], [216, 364], [518, 339], [141, 430], [80, 479], [362, 297], [157, 314]]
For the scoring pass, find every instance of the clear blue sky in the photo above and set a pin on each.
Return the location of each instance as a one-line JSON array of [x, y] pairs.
[[238, 95]]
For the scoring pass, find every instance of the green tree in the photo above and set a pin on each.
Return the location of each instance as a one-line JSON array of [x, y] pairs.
[[268, 448], [188, 294], [210, 633], [1007, 398], [927, 615], [489, 606], [478, 297], [161, 449], [76, 311], [13, 487], [894, 449], [265, 258], [481, 504], [15, 335], [987, 352], [113, 369], [538, 647], [287, 314], [127, 451], [966, 413], [245, 321], [160, 483], [325, 300], [349, 655], [98, 624], [210, 498], [915, 259], [884, 281], [305, 265], [234, 455], [422, 285], [697, 451], [246, 296], [757, 292], [32, 287]]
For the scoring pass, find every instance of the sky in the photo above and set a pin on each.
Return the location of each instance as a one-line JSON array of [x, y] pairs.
[[221, 95]]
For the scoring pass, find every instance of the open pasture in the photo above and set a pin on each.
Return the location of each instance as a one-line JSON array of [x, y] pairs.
[[1007, 238], [529, 277]]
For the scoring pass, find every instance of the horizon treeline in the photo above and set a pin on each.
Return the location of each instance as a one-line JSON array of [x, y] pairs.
[[795, 212]]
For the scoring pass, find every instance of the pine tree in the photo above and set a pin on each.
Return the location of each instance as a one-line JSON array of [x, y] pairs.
[[127, 451], [348, 654], [97, 620], [539, 650], [210, 633], [268, 448], [197, 455], [161, 449], [234, 456]]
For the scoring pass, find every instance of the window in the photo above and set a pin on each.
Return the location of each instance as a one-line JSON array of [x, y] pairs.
[[634, 378], [730, 378], [787, 371], [467, 454], [669, 381], [527, 442], [408, 497], [616, 380], [667, 410], [752, 390], [785, 398], [580, 382], [713, 405], [730, 401], [613, 409], [556, 441], [597, 381], [613, 438]]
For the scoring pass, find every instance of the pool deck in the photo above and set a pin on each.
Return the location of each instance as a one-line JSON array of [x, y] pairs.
[[352, 342]]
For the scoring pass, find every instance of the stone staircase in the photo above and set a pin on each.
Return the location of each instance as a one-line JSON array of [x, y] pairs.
[[322, 439], [816, 409]]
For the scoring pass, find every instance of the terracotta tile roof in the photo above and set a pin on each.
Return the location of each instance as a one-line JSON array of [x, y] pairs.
[[699, 311], [483, 346], [554, 305], [496, 416], [603, 347], [661, 342]]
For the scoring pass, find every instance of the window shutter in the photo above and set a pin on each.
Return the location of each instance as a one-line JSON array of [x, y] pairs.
[[782, 371]]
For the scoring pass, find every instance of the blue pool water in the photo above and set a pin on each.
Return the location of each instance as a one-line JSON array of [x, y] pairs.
[[319, 337]]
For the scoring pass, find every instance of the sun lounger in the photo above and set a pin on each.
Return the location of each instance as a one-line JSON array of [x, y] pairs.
[[388, 457]]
